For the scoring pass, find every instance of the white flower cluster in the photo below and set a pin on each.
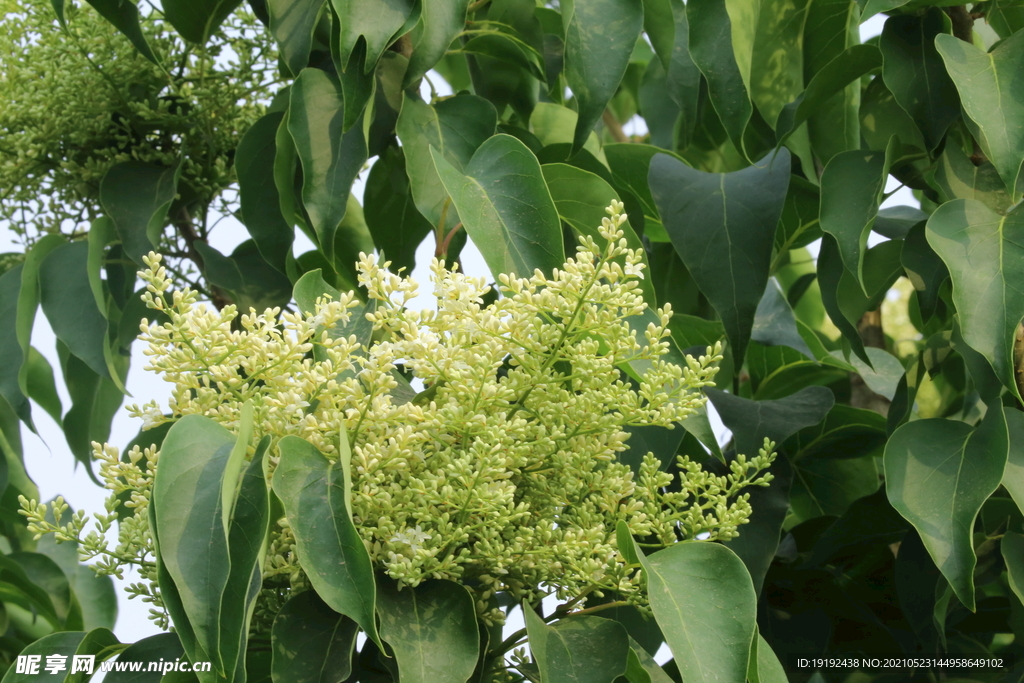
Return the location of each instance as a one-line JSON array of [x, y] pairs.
[[503, 472]]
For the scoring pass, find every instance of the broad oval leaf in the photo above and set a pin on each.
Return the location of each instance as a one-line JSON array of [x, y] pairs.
[[992, 94], [505, 207], [432, 629], [312, 643], [938, 473], [137, 196], [704, 601], [313, 490], [292, 23], [599, 38], [985, 256], [580, 649], [196, 20], [723, 227], [753, 421]]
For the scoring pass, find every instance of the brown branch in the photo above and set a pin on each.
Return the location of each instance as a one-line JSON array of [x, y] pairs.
[[182, 222], [963, 23], [614, 127], [861, 396]]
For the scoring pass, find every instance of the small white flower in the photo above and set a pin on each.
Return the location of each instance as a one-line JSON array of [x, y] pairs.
[[151, 416], [414, 538]]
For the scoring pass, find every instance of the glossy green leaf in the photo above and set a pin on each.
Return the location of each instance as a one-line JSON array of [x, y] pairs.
[[432, 630], [440, 22], [165, 646], [870, 8], [711, 49], [774, 323], [137, 196], [313, 491], [391, 215], [753, 421], [599, 38], [852, 186], [94, 402], [197, 20], [125, 17], [641, 667], [246, 275], [915, 74], [292, 23], [41, 387], [703, 599], [65, 644], [895, 222], [261, 204], [846, 432], [985, 256], [580, 198], [577, 649], [758, 542], [938, 474], [832, 26], [357, 83], [883, 375], [869, 520], [554, 124], [660, 28], [312, 643], [827, 486], [989, 86], [505, 47], [958, 178], [70, 306], [330, 159], [506, 207], [455, 127], [1013, 475], [101, 235], [764, 666], [1012, 547], [10, 348], [727, 252], [378, 23]]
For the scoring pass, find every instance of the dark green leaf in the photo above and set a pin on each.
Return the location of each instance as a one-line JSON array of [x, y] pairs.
[[312, 643], [10, 348], [581, 649], [125, 17], [314, 492], [197, 20], [64, 643], [938, 474], [252, 282], [1012, 547], [599, 38], [137, 196], [378, 23], [432, 629], [868, 521], [753, 421], [758, 541], [774, 323], [991, 96], [703, 599], [826, 486], [846, 432], [261, 204], [94, 402], [391, 215], [895, 222], [641, 667], [764, 665], [101, 235], [455, 127], [924, 269], [553, 124], [798, 225], [985, 256], [958, 178], [915, 74], [330, 159], [1013, 476], [506, 207], [440, 22], [41, 387], [163, 646], [728, 251], [292, 23]]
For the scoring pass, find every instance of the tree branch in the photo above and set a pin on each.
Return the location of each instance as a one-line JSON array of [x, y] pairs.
[[963, 23], [614, 127]]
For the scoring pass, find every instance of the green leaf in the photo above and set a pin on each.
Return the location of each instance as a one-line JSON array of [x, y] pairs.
[[641, 667], [753, 421], [455, 127], [1013, 476], [251, 281], [846, 432], [852, 187], [703, 599], [554, 124], [728, 252], [197, 20], [758, 541], [163, 646], [883, 375], [101, 235], [712, 52], [65, 644], [599, 38], [580, 198], [41, 387], [915, 74], [261, 203], [832, 27], [985, 82], [432, 629], [1012, 548], [378, 23], [764, 665], [868, 521], [506, 207], [958, 178], [660, 28], [504, 47], [330, 159], [774, 322], [94, 402], [69, 305], [826, 486], [10, 348], [137, 196], [938, 473], [210, 533], [580, 649], [391, 215], [312, 643], [440, 22], [833, 79], [985, 256], [292, 23], [870, 8], [799, 224], [125, 17], [313, 491]]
